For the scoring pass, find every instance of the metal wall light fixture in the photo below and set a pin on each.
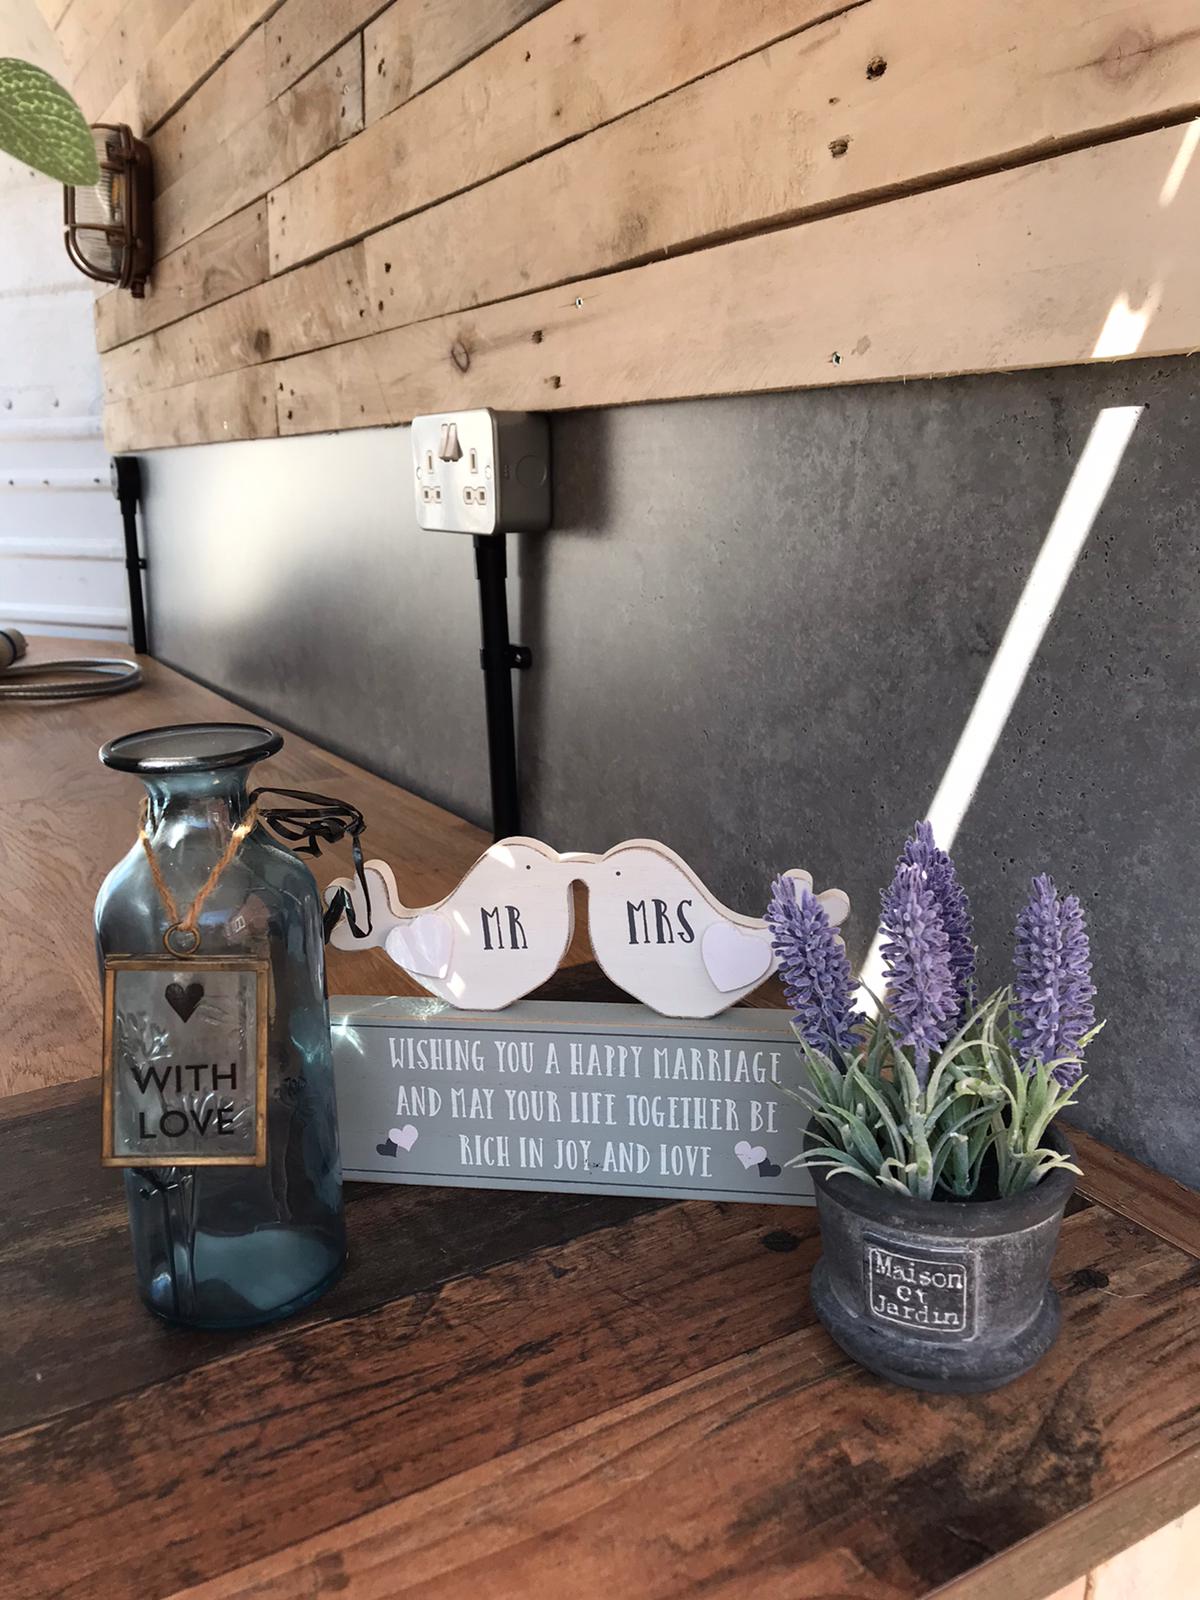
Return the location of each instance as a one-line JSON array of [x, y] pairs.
[[109, 226]]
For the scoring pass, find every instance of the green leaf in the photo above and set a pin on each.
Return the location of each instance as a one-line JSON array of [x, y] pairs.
[[42, 126]]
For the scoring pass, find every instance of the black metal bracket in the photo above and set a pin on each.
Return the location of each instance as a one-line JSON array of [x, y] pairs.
[[126, 477], [499, 657], [518, 659]]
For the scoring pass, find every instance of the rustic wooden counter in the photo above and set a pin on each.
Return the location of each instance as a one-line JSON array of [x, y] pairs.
[[509, 1394]]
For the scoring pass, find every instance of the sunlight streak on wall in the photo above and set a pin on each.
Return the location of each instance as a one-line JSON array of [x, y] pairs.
[[1125, 326], [1181, 163], [1073, 521]]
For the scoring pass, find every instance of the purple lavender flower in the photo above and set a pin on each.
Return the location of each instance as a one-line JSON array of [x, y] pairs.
[[813, 967], [940, 875], [1053, 990], [921, 997]]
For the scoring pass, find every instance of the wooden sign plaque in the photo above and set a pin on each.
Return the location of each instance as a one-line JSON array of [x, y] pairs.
[[185, 1062], [579, 1097]]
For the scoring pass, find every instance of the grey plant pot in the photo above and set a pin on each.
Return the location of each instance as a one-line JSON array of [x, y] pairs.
[[951, 1296]]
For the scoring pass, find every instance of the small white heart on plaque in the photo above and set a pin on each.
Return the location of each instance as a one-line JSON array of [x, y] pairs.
[[734, 958], [423, 945], [748, 1154], [403, 1138]]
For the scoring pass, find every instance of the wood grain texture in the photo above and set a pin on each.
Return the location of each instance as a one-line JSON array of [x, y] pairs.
[[302, 32], [1107, 1525], [675, 173], [412, 1390], [1154, 1201], [567, 71], [57, 791], [225, 259], [415, 42], [1163, 1566], [111, 61], [979, 276], [51, 11], [222, 105], [186, 53], [768, 1473], [286, 135], [65, 1270], [320, 304], [236, 405], [79, 26]]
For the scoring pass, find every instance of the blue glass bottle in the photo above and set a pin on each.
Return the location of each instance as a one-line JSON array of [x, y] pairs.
[[230, 1246]]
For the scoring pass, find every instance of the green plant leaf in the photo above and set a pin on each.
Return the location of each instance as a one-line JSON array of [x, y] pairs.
[[42, 126]]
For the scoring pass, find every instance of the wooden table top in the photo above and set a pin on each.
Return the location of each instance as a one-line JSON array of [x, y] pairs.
[[521, 1395]]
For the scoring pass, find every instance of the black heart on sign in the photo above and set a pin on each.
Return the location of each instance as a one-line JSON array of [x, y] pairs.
[[183, 1001], [768, 1168]]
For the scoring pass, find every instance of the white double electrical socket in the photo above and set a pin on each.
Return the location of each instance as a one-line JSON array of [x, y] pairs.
[[482, 471]]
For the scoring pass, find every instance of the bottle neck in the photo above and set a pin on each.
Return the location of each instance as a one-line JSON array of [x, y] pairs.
[[182, 802]]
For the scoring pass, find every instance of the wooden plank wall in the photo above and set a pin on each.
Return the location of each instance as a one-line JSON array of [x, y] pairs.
[[366, 210]]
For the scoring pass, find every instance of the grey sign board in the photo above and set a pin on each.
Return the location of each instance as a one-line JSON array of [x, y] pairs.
[[578, 1097]]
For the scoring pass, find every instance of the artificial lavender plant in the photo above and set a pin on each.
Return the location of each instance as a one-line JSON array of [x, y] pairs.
[[814, 969], [941, 876], [922, 1001], [942, 1093], [1052, 996]]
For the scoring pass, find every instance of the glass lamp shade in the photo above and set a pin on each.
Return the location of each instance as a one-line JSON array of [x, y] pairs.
[[109, 225]]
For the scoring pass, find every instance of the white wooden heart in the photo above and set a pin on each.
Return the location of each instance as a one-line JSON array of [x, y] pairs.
[[734, 957], [423, 945]]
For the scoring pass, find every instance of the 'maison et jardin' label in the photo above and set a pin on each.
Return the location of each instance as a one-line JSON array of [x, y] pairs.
[[930, 1292]]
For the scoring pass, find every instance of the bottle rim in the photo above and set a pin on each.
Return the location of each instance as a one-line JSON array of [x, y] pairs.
[[190, 747]]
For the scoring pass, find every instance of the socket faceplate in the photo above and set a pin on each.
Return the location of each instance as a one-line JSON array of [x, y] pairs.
[[482, 471]]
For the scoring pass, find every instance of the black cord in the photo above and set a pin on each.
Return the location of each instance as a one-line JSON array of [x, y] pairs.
[[322, 820]]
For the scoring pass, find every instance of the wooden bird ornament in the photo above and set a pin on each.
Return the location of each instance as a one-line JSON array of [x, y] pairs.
[[655, 929]]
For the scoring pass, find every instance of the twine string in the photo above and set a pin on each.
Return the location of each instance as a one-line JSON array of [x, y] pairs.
[[319, 820], [187, 924]]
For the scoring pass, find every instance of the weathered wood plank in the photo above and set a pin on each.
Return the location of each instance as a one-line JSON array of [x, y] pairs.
[[212, 116], [319, 304], [1163, 1566], [235, 405], [676, 171], [300, 1430], [415, 42], [1094, 1532], [113, 60], [1060, 261], [1150, 1199], [66, 1277], [310, 119], [302, 32], [565, 72], [225, 259], [183, 57], [759, 1476], [52, 11]]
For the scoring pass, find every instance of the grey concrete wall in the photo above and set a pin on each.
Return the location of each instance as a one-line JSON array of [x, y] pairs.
[[760, 626]]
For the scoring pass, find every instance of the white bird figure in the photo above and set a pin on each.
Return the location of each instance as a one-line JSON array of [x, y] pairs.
[[499, 935], [662, 936], [655, 929]]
